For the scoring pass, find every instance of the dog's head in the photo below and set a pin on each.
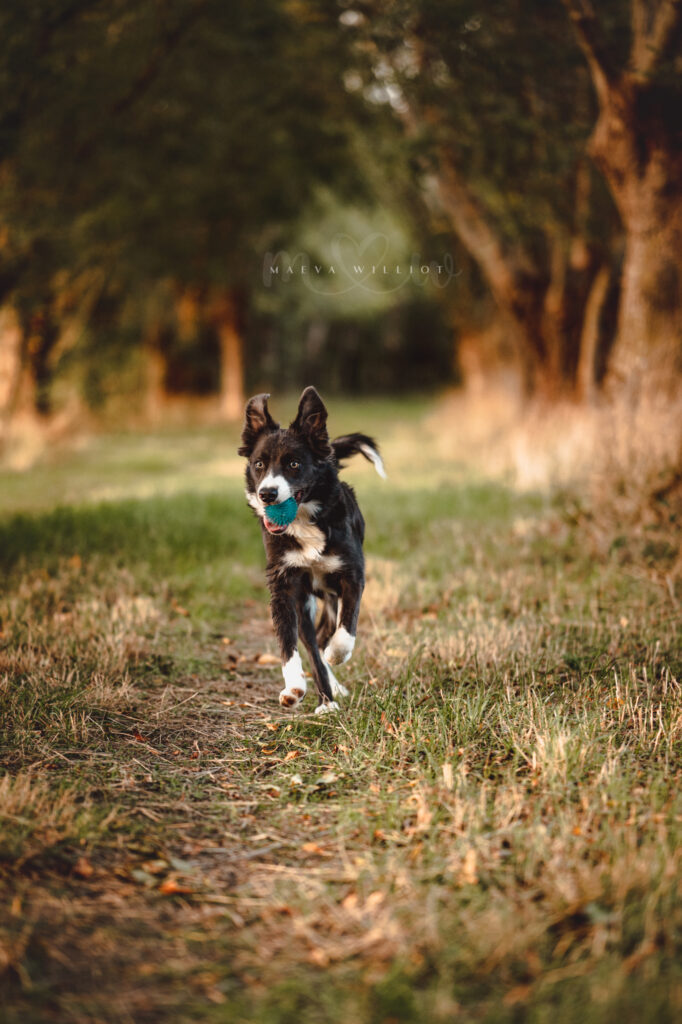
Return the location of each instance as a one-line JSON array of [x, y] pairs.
[[283, 463]]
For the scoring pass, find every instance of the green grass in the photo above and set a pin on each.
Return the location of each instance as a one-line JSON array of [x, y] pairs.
[[489, 831]]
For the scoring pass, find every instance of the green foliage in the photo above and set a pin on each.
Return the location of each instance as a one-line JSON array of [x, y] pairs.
[[502, 89], [162, 142]]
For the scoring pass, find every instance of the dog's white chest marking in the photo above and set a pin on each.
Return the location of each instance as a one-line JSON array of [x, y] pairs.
[[311, 540]]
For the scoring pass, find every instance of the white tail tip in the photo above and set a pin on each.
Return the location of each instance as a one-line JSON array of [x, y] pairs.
[[373, 455]]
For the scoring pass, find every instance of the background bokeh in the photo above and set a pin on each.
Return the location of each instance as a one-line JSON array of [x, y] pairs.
[[512, 173]]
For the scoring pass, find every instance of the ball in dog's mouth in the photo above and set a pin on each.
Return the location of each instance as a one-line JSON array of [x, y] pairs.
[[278, 517]]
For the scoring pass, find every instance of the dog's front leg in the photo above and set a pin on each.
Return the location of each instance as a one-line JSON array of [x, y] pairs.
[[340, 646], [285, 622]]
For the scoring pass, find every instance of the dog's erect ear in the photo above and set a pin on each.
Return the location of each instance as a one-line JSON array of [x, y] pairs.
[[311, 421], [258, 419]]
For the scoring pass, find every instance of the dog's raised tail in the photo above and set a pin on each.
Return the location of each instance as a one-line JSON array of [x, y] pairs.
[[359, 444]]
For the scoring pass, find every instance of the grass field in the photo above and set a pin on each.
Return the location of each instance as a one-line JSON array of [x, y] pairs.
[[489, 831]]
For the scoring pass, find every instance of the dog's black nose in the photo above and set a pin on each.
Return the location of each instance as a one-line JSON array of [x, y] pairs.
[[268, 495]]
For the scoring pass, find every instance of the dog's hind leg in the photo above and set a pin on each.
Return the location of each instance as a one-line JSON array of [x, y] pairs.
[[327, 685]]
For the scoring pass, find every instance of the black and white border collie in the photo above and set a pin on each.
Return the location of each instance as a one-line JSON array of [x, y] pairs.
[[319, 554]]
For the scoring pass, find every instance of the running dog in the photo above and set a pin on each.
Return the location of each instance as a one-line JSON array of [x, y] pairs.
[[293, 474]]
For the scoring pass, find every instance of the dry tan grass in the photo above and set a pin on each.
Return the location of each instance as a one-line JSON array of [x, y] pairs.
[[490, 829]]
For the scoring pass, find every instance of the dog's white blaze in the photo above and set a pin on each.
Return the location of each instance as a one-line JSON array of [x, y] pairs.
[[292, 671], [279, 483], [338, 690], [374, 456], [322, 709], [340, 647], [311, 607]]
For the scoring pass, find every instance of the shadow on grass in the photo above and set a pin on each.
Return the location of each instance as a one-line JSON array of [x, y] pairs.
[[189, 528], [163, 532]]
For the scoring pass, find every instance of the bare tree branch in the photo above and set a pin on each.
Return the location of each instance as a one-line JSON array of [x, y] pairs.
[[650, 44], [640, 15], [456, 199], [592, 43]]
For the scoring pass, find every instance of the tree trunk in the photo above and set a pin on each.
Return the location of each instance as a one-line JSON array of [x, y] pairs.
[[542, 307], [11, 360], [585, 382], [645, 176], [636, 145], [648, 350], [226, 312]]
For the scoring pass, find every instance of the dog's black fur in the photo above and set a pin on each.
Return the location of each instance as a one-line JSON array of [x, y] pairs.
[[319, 554]]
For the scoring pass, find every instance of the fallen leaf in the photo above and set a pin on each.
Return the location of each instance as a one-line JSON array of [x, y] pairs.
[[292, 755], [267, 659], [171, 886], [83, 868], [183, 865], [319, 957], [143, 876], [155, 867], [315, 849], [374, 900], [350, 903]]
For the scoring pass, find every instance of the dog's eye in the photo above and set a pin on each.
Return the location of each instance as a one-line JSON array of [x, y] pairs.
[[294, 464], [259, 464]]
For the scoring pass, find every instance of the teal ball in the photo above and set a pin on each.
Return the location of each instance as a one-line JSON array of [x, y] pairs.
[[282, 514]]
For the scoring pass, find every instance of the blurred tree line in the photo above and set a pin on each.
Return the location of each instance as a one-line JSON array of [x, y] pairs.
[[159, 157]]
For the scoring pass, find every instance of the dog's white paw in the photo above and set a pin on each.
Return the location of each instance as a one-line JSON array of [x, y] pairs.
[[338, 690], [295, 685], [323, 709], [340, 647], [291, 698]]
